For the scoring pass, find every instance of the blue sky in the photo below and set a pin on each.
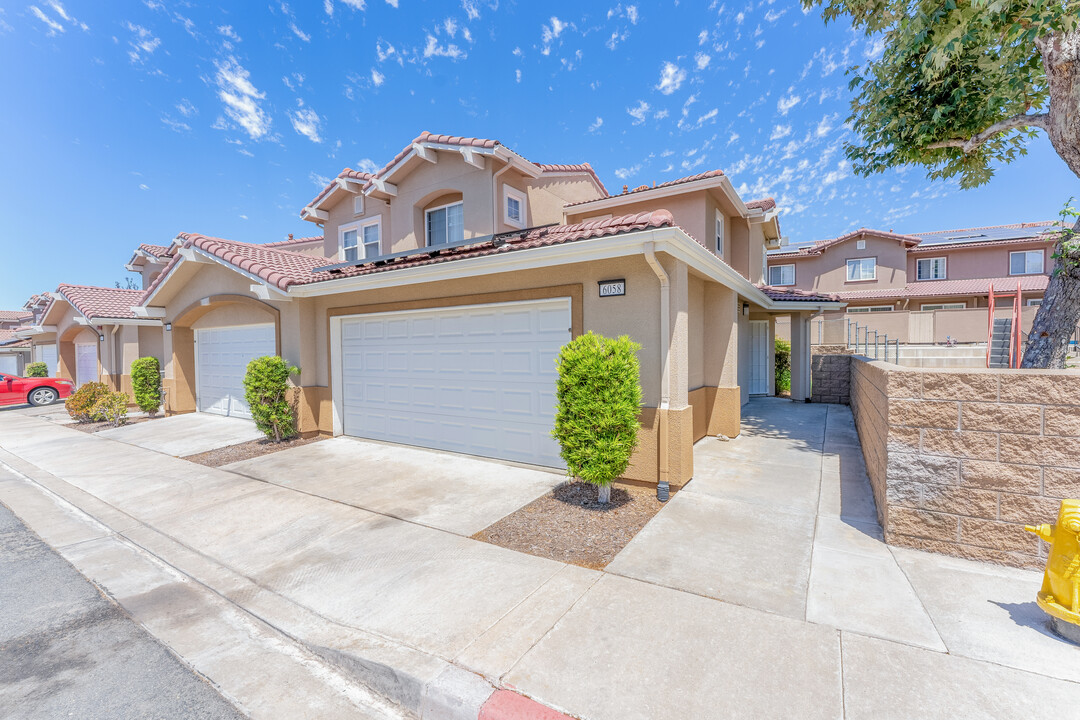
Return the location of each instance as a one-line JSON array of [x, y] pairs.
[[127, 122]]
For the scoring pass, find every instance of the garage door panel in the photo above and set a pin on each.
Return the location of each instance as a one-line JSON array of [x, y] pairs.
[[474, 380], [223, 355]]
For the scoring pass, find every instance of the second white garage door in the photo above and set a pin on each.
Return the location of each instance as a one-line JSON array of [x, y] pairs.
[[222, 356], [477, 379]]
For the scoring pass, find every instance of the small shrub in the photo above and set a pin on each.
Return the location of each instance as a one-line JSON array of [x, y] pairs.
[[266, 389], [113, 408], [599, 398], [146, 384], [37, 369], [81, 403], [783, 366]]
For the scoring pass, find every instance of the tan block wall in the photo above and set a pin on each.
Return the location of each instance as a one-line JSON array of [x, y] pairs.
[[961, 460]]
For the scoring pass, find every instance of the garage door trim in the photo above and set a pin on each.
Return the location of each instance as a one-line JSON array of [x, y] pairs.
[[199, 398]]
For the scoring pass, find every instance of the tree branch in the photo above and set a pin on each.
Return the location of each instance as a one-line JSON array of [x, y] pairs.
[[1040, 120]]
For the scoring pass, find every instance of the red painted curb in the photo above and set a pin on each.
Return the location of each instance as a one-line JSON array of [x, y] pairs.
[[508, 705]]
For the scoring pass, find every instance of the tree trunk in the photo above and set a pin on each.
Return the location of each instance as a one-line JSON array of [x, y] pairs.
[[1061, 62], [604, 494], [1059, 314]]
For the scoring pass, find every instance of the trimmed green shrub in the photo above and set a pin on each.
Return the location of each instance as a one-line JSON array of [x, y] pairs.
[[81, 403], [599, 398], [146, 383], [37, 369], [266, 389], [783, 366], [112, 407]]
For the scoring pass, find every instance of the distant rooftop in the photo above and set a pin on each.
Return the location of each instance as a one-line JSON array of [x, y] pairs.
[[962, 236]]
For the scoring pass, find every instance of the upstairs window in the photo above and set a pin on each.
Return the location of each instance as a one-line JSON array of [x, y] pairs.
[[859, 269], [930, 269], [371, 236], [358, 205], [1026, 262], [349, 248], [782, 275], [719, 231], [359, 242], [446, 224], [513, 207]]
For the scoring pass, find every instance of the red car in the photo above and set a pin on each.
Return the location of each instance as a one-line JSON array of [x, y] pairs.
[[15, 390]]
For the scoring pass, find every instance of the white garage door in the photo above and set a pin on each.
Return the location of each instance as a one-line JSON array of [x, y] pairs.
[[478, 379], [47, 355], [221, 359], [86, 364], [9, 363]]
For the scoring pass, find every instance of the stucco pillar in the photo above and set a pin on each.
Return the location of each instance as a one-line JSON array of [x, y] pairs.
[[800, 356], [128, 353], [721, 321], [677, 422]]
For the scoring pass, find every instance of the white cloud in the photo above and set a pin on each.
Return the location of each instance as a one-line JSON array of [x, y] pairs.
[[702, 37], [471, 11], [780, 131], [143, 44], [392, 3], [661, 114], [708, 116], [377, 78], [356, 4], [733, 138], [54, 27], [549, 33], [639, 112], [671, 78], [624, 173], [702, 60], [185, 108], [241, 98], [293, 81], [517, 75], [739, 18], [227, 31], [299, 33], [434, 49], [306, 122], [175, 125], [823, 127], [366, 165], [328, 6], [385, 50], [144, 186], [774, 15], [787, 102], [517, 52], [596, 125]]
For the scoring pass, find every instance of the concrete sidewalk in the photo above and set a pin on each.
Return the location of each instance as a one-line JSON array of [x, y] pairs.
[[700, 616]]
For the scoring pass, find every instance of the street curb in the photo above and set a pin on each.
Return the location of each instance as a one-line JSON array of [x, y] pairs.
[[509, 705]]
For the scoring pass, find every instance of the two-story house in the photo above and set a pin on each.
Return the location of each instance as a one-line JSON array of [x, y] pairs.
[[936, 284], [14, 350], [450, 278]]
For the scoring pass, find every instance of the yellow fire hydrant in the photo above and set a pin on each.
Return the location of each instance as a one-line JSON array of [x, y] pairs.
[[1060, 593]]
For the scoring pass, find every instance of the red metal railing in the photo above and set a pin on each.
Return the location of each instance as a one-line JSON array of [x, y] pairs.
[[1014, 332]]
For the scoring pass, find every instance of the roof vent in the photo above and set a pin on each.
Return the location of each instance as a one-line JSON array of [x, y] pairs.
[[625, 189], [290, 236]]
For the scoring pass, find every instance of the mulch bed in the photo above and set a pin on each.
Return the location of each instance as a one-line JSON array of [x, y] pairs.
[[93, 427], [568, 524], [247, 450]]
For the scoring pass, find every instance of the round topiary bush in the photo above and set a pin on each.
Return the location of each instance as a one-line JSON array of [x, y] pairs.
[[266, 389], [37, 369], [599, 398], [146, 384], [81, 403]]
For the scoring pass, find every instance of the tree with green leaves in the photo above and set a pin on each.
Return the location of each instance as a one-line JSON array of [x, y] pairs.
[[267, 391], [961, 86]]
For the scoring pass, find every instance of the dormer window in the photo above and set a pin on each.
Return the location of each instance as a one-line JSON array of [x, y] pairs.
[[361, 241], [445, 224], [513, 207], [719, 232]]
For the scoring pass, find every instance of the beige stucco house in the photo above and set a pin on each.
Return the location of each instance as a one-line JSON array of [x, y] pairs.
[[448, 281], [15, 351]]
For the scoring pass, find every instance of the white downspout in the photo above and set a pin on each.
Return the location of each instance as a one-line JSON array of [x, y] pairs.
[[114, 362], [663, 489], [495, 197]]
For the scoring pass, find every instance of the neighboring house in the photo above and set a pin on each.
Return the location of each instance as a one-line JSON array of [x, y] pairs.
[[875, 271], [448, 282], [14, 350], [91, 334], [148, 261]]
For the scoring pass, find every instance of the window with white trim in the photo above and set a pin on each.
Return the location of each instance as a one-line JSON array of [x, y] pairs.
[[860, 244], [871, 308], [930, 268], [861, 269], [719, 232], [1034, 302], [445, 224], [361, 240], [358, 205], [514, 207], [944, 306], [782, 274], [1026, 262]]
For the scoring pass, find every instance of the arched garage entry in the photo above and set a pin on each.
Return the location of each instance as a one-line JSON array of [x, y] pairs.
[[213, 341]]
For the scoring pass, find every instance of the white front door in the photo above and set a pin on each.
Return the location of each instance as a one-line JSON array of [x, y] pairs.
[[9, 364], [221, 359], [47, 355], [476, 379], [759, 357], [86, 363]]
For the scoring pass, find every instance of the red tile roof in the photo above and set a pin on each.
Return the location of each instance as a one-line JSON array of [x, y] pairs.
[[669, 183], [794, 294], [765, 204], [821, 245], [576, 168], [159, 251], [8, 339], [101, 302], [346, 174], [15, 315], [1010, 226], [949, 246], [937, 288], [283, 269], [293, 241]]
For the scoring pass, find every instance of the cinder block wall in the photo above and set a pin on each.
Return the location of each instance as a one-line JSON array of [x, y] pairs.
[[830, 378], [961, 460]]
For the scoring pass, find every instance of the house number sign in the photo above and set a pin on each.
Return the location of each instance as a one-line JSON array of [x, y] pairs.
[[612, 288]]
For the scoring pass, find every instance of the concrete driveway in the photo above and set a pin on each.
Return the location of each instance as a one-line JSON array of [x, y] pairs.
[[456, 493], [189, 434]]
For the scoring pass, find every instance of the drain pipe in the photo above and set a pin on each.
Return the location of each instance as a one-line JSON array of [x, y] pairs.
[[663, 490]]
